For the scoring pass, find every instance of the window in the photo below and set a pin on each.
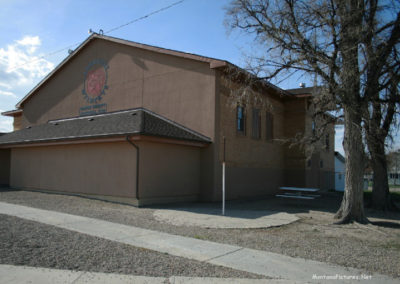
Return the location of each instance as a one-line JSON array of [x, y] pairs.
[[270, 126], [327, 142], [340, 176], [313, 127], [240, 119], [309, 163], [256, 123], [321, 164]]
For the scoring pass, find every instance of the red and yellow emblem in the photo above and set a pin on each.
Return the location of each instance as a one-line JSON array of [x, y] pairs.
[[95, 83]]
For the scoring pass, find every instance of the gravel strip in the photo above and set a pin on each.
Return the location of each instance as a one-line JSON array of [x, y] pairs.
[[24, 242], [371, 248]]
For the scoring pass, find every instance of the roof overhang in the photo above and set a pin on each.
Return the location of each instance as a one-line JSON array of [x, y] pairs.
[[12, 113], [109, 139], [240, 75]]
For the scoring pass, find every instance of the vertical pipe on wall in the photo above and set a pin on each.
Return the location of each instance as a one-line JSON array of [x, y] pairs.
[[137, 166]]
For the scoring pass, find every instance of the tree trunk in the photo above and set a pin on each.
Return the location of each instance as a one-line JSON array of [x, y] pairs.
[[380, 191], [352, 207]]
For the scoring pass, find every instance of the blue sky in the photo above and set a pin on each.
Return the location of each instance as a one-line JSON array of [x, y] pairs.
[[33, 29]]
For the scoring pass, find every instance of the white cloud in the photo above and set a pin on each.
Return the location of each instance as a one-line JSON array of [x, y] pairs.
[[4, 85], [7, 93], [20, 64], [6, 124], [21, 67], [31, 42]]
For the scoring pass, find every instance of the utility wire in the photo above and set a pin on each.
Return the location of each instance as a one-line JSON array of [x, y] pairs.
[[146, 16], [43, 56], [107, 32]]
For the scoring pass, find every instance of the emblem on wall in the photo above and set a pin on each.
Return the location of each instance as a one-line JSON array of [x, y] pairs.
[[95, 83]]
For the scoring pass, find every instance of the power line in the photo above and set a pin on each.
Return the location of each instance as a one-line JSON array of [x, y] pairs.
[[107, 32], [146, 16], [43, 56]]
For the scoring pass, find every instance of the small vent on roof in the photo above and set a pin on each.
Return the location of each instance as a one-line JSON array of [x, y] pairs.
[[90, 119], [54, 123], [134, 113], [28, 127]]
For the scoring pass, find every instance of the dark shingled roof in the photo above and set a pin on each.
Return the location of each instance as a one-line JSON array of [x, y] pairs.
[[129, 122]]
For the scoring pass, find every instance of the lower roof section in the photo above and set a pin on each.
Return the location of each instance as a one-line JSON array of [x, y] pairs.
[[135, 122]]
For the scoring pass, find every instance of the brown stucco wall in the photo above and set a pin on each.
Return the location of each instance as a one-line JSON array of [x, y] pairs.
[[178, 88], [254, 166], [99, 168], [4, 167], [168, 171], [298, 172], [17, 122], [294, 125], [248, 182]]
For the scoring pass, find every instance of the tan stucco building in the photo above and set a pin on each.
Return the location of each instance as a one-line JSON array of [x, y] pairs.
[[123, 120]]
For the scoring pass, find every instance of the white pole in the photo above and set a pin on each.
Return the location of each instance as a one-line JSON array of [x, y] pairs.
[[223, 180], [223, 188]]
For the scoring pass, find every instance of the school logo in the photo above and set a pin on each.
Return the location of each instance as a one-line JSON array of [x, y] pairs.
[[95, 83]]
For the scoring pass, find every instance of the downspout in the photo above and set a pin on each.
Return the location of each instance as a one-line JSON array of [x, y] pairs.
[[137, 166]]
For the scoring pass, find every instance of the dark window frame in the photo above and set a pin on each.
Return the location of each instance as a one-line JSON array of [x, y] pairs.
[[256, 123], [269, 126], [241, 121]]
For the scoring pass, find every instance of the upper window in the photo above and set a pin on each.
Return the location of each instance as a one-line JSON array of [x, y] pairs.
[[256, 124], [269, 126], [240, 119]]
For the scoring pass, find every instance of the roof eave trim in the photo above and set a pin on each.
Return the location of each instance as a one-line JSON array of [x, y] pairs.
[[278, 90], [88, 138], [12, 112]]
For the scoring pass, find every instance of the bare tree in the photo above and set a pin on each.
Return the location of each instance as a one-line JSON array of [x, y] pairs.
[[381, 117], [348, 45]]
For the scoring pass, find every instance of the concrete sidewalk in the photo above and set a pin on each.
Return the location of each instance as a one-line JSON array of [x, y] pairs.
[[12, 274], [260, 262], [233, 219]]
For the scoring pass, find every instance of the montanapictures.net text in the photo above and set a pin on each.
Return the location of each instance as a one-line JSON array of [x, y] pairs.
[[341, 277]]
